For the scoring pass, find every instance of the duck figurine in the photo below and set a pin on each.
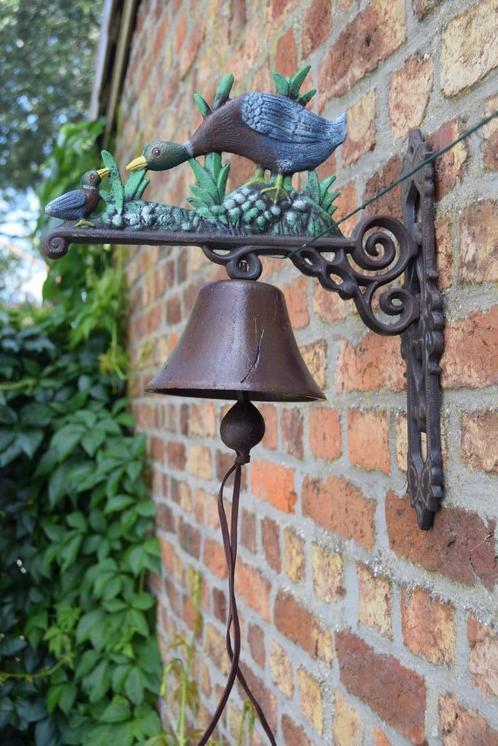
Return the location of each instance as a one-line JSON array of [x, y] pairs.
[[78, 204], [274, 131]]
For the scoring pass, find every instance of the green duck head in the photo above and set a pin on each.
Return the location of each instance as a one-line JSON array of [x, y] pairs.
[[160, 156]]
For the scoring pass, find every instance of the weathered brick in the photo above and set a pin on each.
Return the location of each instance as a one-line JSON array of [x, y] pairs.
[[294, 734], [390, 203], [328, 305], [449, 167], [256, 639], [469, 360], [292, 426], [214, 558], [368, 435], [253, 589], [346, 202], [269, 414], [200, 419], [294, 561], [315, 357], [325, 433], [361, 128], [479, 242], [270, 537], [479, 447], [375, 606], [189, 538], [460, 545], [444, 243], [327, 574], [281, 669], [380, 738], [339, 506], [372, 36], [347, 728], [468, 49], [490, 132], [199, 461], [302, 627], [424, 7], [297, 302], [316, 25], [214, 647], [374, 363], [310, 696], [263, 694], [483, 658], [409, 91], [461, 727], [395, 693], [428, 626], [275, 484]]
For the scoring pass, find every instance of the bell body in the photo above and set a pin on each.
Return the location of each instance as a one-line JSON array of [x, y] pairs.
[[238, 340]]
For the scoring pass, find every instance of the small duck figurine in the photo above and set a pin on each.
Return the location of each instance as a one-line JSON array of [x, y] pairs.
[[274, 131], [78, 204]]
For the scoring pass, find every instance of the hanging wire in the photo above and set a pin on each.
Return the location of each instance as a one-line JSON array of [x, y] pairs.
[[394, 184]]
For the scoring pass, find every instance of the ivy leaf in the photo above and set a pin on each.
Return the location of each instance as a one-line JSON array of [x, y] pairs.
[[117, 712], [134, 686], [66, 439]]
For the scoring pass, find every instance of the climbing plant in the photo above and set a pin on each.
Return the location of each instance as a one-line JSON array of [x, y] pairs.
[[79, 662]]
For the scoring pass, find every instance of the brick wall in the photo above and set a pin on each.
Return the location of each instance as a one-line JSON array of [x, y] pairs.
[[357, 627]]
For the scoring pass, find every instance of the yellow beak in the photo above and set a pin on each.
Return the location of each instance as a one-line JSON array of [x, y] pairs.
[[137, 163], [103, 172]]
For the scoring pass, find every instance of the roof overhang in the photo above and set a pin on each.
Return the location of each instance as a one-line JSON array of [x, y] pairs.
[[118, 22]]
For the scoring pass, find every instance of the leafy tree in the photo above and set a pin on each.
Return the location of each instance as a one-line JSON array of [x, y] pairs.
[[47, 50]]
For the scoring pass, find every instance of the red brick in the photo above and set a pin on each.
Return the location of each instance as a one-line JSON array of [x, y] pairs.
[[339, 506], [391, 203], [409, 91], [461, 727], [275, 484], [248, 530], [286, 54], [479, 242], [219, 605], [189, 538], [253, 589], [315, 357], [460, 545], [490, 155], [428, 626], [395, 693], [297, 302], [369, 38], [269, 413], [368, 434], [346, 202], [327, 305], [270, 537], [444, 243], [292, 431], [316, 25], [165, 520], [361, 128], [238, 17], [479, 448], [256, 639], [424, 7], [483, 658], [325, 433], [279, 7], [449, 166], [301, 626], [176, 455], [374, 363], [214, 558], [294, 734], [470, 358], [263, 695]]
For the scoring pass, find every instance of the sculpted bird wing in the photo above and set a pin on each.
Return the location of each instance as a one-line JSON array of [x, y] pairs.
[[69, 201], [281, 118]]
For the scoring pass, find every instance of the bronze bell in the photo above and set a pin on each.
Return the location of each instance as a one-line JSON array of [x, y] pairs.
[[238, 340]]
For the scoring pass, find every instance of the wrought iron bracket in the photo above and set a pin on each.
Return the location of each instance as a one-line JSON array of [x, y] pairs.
[[363, 268]]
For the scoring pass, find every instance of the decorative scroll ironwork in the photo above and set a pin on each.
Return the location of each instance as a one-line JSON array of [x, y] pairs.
[[363, 268], [422, 342]]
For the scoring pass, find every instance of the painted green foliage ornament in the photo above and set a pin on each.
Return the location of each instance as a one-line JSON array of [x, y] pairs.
[[275, 131]]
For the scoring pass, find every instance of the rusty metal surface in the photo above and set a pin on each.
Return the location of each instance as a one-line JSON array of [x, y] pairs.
[[422, 343], [238, 339]]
